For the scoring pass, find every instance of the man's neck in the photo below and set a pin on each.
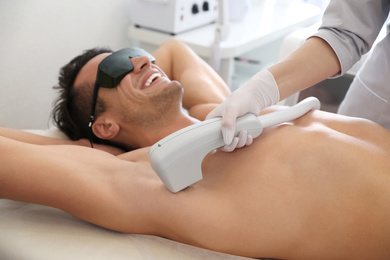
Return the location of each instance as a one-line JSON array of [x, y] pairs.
[[180, 122], [148, 137]]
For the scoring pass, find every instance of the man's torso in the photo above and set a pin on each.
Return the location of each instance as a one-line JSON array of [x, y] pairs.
[[318, 185]]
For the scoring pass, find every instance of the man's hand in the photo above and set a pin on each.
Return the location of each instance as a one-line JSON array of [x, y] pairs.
[[259, 92]]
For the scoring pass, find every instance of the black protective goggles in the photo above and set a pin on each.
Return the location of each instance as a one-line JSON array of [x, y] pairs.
[[111, 71]]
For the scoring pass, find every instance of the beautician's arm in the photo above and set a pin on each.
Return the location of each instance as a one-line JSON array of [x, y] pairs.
[[313, 62], [202, 85]]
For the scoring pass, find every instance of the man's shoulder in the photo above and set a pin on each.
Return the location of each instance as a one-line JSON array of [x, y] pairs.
[[137, 155]]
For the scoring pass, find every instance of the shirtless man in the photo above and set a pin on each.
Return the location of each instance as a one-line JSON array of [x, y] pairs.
[[184, 81], [314, 188]]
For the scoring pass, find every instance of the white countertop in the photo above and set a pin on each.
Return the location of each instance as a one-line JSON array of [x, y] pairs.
[[266, 22]]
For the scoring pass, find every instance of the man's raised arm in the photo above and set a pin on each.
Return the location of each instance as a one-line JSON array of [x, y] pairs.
[[202, 85], [26, 137], [87, 183]]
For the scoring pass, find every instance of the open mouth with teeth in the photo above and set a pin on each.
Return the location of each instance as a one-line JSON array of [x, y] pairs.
[[151, 79]]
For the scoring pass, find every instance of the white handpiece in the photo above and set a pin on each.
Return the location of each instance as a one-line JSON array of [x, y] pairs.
[[177, 158]]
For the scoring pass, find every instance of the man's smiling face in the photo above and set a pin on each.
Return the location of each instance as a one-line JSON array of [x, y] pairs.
[[145, 97]]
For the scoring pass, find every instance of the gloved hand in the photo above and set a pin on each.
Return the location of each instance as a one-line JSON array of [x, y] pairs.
[[259, 92]]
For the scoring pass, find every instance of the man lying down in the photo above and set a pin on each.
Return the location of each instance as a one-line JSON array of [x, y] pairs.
[[314, 188]]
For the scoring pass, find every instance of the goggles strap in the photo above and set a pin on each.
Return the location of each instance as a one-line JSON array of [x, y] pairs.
[[92, 114]]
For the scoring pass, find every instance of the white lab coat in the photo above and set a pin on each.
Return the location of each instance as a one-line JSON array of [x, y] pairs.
[[351, 27]]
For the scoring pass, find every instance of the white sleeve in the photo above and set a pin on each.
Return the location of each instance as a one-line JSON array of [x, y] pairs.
[[350, 27]]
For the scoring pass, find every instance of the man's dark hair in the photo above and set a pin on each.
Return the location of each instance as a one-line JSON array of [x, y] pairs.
[[73, 106]]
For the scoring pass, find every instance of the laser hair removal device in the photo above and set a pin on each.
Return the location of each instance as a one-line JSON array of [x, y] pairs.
[[177, 158]]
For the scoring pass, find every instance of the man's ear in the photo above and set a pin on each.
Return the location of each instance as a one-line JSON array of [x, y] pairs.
[[106, 129]]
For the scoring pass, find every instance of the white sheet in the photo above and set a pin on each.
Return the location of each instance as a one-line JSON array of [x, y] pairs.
[[36, 232], [30, 231]]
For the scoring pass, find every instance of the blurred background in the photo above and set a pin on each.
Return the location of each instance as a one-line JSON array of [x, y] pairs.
[[39, 36]]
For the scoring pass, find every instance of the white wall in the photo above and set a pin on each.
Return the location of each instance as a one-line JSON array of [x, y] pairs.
[[37, 37]]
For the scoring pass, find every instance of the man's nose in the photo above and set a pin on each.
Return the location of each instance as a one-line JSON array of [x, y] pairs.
[[140, 63]]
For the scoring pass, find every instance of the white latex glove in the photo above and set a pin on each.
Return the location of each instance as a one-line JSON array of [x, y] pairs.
[[259, 92]]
